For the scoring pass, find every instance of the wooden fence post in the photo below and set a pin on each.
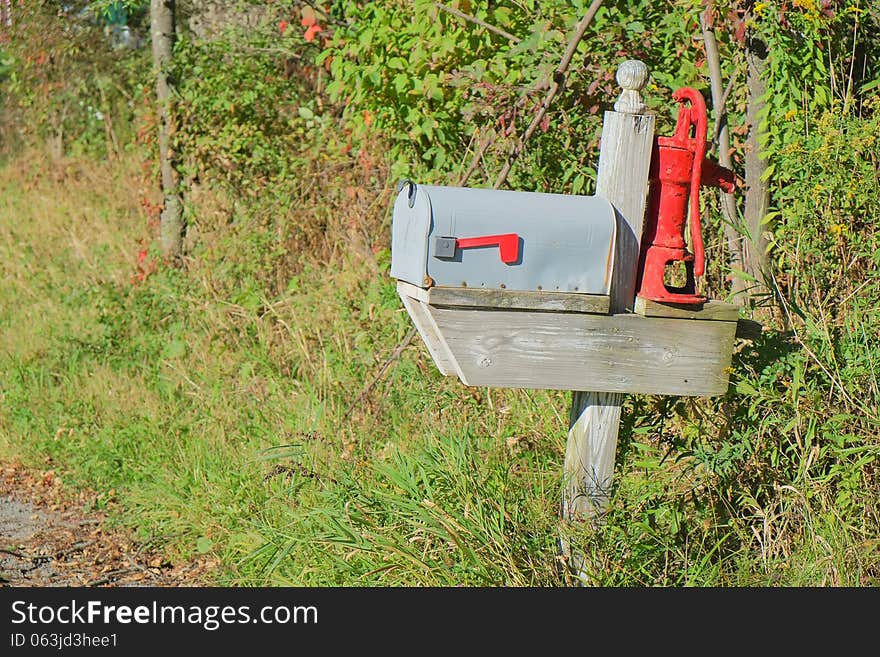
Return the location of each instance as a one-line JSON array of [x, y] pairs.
[[624, 163]]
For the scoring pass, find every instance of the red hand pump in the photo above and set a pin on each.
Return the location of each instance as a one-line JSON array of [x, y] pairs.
[[678, 167]]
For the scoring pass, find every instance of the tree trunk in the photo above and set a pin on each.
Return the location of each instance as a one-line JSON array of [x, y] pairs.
[[162, 13], [728, 201], [757, 191]]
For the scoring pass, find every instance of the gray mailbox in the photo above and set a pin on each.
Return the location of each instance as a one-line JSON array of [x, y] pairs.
[[463, 237], [513, 289]]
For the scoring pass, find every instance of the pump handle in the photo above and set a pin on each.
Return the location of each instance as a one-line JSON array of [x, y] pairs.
[[693, 116]]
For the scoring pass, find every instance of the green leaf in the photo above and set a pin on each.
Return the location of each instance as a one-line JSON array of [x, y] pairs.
[[502, 16], [401, 82], [738, 273], [428, 127], [768, 171], [745, 388], [636, 26], [204, 544]]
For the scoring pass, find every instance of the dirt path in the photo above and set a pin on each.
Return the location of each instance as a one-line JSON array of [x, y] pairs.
[[46, 539]]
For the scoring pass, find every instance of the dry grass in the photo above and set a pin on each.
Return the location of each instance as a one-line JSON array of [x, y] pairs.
[[184, 392]]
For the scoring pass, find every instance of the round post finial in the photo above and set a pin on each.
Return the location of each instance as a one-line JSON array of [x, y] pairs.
[[632, 76]]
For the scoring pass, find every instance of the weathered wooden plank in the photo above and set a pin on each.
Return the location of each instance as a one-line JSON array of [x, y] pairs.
[[548, 301], [623, 353], [624, 163], [431, 336], [483, 298], [711, 310], [589, 465], [410, 290], [622, 178]]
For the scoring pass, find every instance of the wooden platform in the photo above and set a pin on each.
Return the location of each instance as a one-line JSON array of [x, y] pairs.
[[711, 310], [496, 298], [534, 347]]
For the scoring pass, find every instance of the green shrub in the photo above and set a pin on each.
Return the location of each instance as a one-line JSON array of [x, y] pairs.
[[66, 82], [435, 86]]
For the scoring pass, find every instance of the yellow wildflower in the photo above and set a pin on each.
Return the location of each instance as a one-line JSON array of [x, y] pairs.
[[811, 10]]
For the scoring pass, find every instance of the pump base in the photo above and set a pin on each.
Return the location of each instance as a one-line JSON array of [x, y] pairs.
[[652, 286]]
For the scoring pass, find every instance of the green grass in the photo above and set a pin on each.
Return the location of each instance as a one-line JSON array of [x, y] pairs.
[[210, 407]]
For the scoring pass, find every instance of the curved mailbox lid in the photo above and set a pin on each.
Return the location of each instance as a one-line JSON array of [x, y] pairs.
[[566, 242], [410, 229]]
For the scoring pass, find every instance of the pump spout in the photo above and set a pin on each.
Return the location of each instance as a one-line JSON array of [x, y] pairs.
[[715, 175]]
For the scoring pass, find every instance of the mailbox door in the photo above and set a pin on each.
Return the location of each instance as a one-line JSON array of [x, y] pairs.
[[484, 238], [410, 229]]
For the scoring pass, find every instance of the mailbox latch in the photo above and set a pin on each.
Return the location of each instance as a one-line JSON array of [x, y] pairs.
[[508, 245]]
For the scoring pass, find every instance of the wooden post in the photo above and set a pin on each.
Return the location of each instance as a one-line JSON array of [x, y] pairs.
[[624, 163]]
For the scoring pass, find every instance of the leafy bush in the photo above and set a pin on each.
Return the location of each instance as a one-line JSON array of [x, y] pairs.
[[68, 83], [436, 86], [241, 121]]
